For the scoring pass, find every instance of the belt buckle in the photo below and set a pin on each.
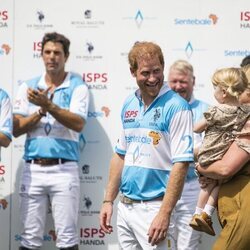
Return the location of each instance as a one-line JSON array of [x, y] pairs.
[[126, 200]]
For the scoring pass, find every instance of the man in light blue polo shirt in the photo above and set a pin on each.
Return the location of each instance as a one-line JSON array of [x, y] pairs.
[[151, 159], [51, 110], [181, 79]]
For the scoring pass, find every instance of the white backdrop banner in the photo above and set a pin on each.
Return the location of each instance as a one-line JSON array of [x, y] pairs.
[[209, 34]]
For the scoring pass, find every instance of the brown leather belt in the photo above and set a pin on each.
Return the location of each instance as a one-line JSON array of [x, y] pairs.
[[124, 199], [48, 161]]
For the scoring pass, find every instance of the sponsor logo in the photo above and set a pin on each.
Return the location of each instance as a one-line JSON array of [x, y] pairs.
[[155, 136], [87, 21], [37, 49], [157, 114], [5, 49], [237, 53], [97, 81], [103, 113], [138, 139], [85, 169], [139, 18], [245, 19], [212, 19], [3, 18], [40, 16], [92, 236], [87, 177], [89, 54], [2, 173], [82, 142], [189, 49], [87, 14], [40, 22], [4, 15], [131, 113], [87, 204], [130, 116]]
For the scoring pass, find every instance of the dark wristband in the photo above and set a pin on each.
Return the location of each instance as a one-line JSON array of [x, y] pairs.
[[41, 113]]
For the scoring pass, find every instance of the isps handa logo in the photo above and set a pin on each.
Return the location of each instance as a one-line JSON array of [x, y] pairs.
[[130, 116], [2, 173], [4, 16], [245, 19], [37, 49], [92, 236], [96, 80]]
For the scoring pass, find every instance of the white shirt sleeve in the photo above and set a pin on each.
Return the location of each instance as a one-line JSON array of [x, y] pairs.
[[80, 101], [21, 103]]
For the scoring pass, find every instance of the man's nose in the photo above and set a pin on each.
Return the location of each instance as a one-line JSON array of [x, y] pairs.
[[152, 77]]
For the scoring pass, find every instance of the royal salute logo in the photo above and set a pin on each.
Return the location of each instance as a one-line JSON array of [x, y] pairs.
[[87, 176], [245, 19], [212, 19], [87, 20], [87, 14], [4, 16]]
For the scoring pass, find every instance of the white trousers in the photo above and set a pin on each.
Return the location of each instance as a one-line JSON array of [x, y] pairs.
[[187, 238], [59, 184], [133, 222]]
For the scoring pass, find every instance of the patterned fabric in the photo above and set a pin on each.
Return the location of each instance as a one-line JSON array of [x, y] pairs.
[[223, 124]]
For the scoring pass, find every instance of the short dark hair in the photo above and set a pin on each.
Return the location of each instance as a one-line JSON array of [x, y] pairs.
[[57, 38], [245, 61]]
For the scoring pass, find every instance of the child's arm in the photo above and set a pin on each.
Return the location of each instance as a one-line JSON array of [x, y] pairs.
[[200, 126]]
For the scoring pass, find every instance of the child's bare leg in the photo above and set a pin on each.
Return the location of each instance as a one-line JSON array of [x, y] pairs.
[[205, 195]]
